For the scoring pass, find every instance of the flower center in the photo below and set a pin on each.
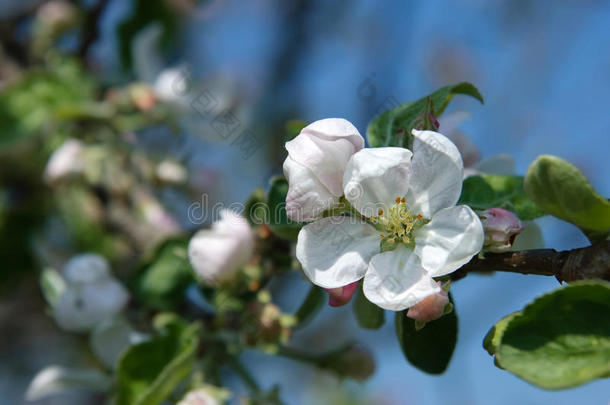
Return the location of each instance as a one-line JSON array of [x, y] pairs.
[[398, 224]]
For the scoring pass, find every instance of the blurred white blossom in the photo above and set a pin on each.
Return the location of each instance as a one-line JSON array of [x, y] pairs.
[[91, 295], [205, 396], [217, 254], [66, 160]]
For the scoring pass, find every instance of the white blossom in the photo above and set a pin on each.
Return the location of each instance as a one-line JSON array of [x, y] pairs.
[[66, 160], [217, 254], [315, 165], [199, 397], [412, 231], [92, 294]]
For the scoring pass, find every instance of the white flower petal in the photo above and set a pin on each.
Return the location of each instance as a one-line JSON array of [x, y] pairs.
[[80, 308], [333, 128], [436, 180], [86, 268], [326, 158], [307, 198], [335, 251], [374, 177], [395, 280], [199, 397], [449, 240], [218, 253], [66, 160]]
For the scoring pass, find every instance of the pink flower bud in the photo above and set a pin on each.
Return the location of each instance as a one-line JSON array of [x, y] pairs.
[[430, 308], [338, 297], [501, 227]]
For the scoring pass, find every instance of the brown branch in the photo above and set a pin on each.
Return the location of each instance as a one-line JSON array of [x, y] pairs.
[[591, 262]]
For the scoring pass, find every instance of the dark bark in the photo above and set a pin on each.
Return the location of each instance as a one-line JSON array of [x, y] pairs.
[[591, 262]]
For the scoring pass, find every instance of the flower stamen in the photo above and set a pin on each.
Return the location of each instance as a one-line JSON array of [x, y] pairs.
[[398, 222]]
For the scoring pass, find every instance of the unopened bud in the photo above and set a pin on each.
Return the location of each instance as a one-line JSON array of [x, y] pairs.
[[430, 309], [142, 97], [501, 228], [57, 13], [202, 396], [338, 297]]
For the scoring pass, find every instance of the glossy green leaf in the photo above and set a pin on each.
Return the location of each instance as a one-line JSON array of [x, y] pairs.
[[279, 222], [493, 190], [429, 349], [560, 340], [162, 281], [313, 303], [393, 127], [561, 189], [149, 372], [368, 315], [255, 209], [493, 337]]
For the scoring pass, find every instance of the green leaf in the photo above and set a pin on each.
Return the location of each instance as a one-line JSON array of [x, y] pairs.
[[149, 372], [293, 128], [393, 127], [162, 281], [560, 340], [368, 315], [492, 339], [279, 222], [314, 301], [52, 284], [32, 103], [493, 190], [255, 209], [429, 349], [561, 189]]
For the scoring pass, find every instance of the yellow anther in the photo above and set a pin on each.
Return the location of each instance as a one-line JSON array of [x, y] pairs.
[[380, 212], [382, 235], [403, 200], [397, 200]]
